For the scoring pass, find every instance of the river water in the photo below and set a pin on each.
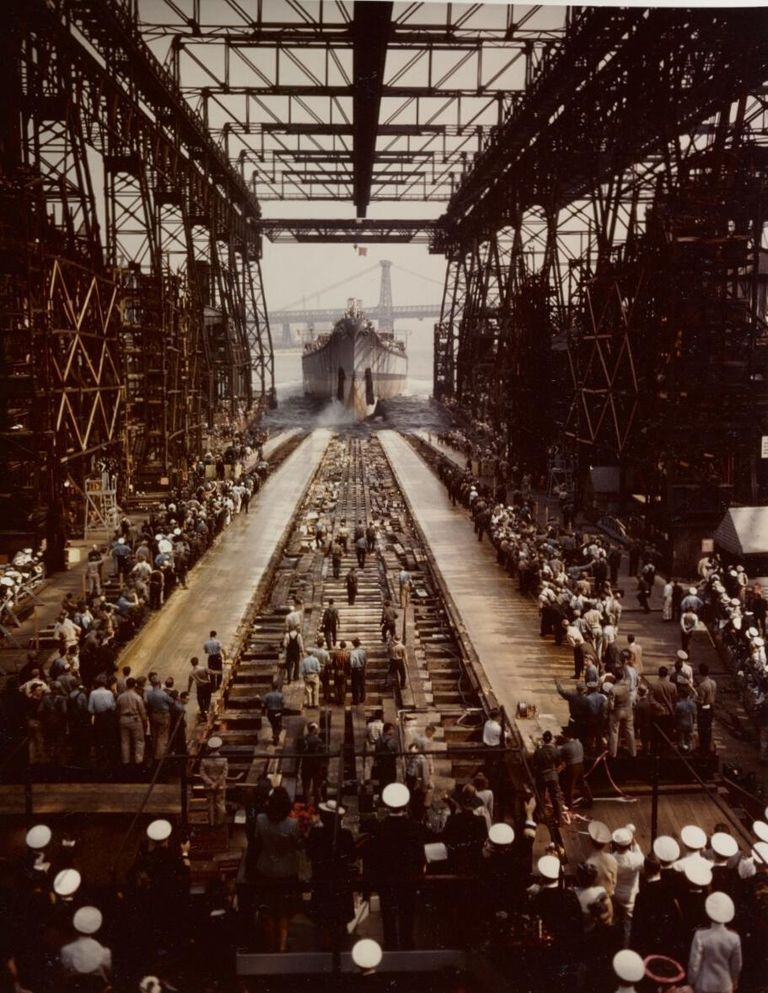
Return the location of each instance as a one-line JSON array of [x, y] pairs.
[[414, 409]]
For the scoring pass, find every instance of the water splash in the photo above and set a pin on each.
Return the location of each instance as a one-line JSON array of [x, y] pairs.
[[409, 412]]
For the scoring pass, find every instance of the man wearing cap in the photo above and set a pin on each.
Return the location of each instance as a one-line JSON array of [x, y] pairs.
[[394, 865], [689, 620], [697, 878], [714, 965], [692, 601], [121, 555], [724, 851], [499, 871], [214, 768], [629, 861], [558, 910], [605, 863], [694, 841], [85, 956], [656, 917]]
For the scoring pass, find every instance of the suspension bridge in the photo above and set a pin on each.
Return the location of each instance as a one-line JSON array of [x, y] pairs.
[[384, 314]]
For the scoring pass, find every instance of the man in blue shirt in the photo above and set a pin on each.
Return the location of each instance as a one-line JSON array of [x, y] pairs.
[[215, 652], [273, 705]]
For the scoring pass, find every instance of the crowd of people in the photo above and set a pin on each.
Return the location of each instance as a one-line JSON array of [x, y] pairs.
[[70, 705], [616, 703], [695, 905]]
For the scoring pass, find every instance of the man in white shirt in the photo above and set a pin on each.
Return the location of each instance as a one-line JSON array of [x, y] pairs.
[[85, 956]]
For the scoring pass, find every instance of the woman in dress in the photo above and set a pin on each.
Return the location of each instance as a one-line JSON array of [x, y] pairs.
[[279, 838]]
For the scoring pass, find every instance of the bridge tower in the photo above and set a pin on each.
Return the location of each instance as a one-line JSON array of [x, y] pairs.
[[386, 320]]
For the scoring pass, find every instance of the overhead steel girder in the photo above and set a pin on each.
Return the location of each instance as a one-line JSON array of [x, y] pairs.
[[624, 84], [107, 24], [347, 231], [328, 25], [370, 33]]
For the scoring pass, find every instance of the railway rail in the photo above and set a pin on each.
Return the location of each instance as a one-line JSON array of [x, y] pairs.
[[354, 482]]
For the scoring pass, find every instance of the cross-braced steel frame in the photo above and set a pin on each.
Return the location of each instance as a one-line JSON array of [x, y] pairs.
[[604, 292], [369, 102], [132, 307]]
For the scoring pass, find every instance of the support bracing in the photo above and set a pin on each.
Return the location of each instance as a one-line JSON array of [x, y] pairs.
[[128, 270]]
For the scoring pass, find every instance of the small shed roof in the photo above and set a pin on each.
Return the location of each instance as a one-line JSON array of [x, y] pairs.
[[744, 531]]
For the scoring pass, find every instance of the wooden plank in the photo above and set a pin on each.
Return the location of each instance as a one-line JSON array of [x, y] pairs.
[[91, 798]]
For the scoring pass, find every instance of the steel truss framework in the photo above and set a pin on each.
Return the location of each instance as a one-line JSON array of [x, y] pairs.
[[128, 324], [362, 101], [604, 250]]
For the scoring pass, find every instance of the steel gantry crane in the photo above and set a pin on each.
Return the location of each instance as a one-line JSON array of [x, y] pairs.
[[604, 293], [132, 306]]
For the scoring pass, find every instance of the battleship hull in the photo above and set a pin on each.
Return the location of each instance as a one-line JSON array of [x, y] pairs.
[[356, 366]]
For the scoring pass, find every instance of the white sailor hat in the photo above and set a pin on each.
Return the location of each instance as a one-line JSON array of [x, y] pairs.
[[67, 882], [622, 837], [719, 908], [177, 531], [159, 537], [331, 807], [121, 541], [367, 954], [549, 867], [752, 632], [682, 655], [214, 742], [698, 872], [693, 591], [599, 832], [87, 920], [760, 828], [628, 966], [38, 836], [724, 845], [159, 830], [759, 642], [501, 834], [396, 796], [735, 602], [693, 837], [666, 849], [760, 852]]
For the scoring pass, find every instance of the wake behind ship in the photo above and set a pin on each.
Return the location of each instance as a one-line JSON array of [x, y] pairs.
[[355, 364]]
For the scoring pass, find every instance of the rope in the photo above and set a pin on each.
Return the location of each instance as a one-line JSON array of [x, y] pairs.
[[603, 758]]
